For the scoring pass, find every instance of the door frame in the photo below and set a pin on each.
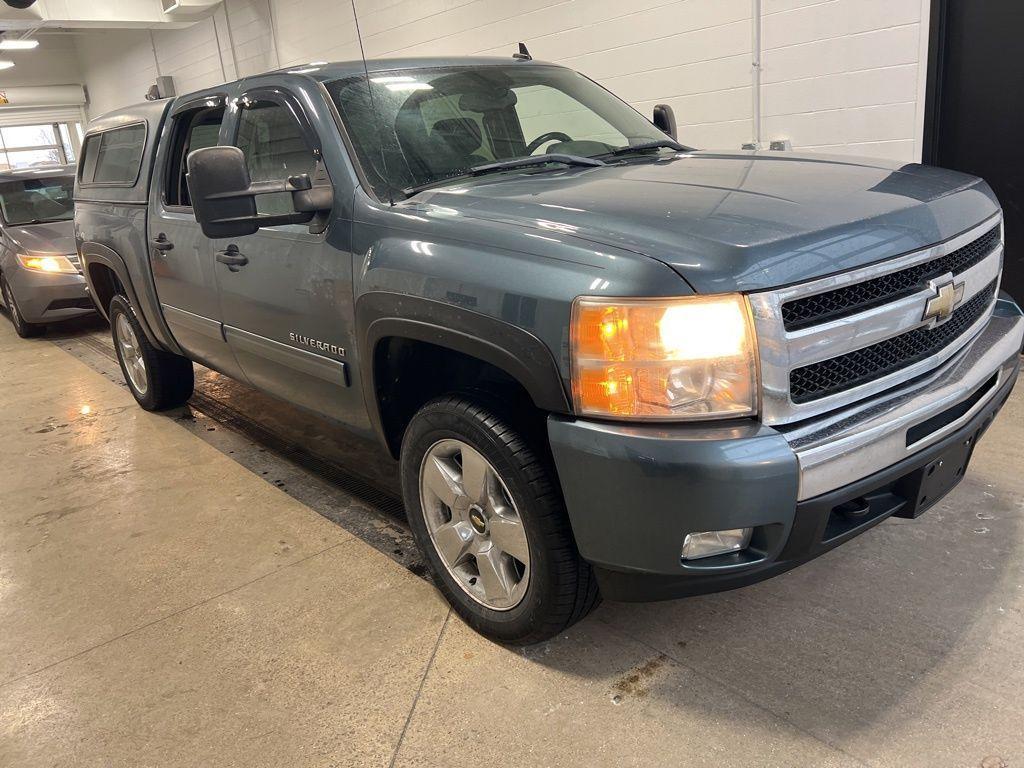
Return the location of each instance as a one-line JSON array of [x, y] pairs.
[[933, 85]]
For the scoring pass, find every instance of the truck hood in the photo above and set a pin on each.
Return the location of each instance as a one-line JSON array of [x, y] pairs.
[[52, 237], [739, 221]]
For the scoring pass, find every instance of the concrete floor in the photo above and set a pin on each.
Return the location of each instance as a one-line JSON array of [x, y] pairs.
[[167, 599]]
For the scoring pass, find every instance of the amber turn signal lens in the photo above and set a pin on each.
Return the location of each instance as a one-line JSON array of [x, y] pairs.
[[687, 358]]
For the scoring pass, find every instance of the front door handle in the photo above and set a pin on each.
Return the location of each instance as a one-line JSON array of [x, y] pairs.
[[161, 243], [232, 258]]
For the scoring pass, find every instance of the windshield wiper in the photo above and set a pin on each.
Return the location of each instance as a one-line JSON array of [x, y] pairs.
[[665, 143], [507, 165], [526, 162]]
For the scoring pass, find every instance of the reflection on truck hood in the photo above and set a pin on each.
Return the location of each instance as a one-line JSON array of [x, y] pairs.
[[52, 237], [739, 221]]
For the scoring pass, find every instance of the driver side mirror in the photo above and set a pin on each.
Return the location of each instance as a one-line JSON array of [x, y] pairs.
[[665, 119], [224, 196]]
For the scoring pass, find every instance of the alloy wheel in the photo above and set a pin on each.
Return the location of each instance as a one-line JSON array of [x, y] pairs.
[[131, 354], [12, 307], [474, 524]]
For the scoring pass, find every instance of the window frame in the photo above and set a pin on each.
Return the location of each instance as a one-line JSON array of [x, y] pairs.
[[80, 171], [289, 101], [282, 98], [209, 101]]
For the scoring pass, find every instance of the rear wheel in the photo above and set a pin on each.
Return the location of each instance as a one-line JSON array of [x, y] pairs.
[[23, 328], [157, 379], [486, 512]]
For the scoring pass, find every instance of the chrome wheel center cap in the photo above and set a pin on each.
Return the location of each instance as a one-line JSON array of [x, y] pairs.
[[477, 519]]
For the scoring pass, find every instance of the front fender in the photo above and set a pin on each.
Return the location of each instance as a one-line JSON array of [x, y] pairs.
[[517, 352]]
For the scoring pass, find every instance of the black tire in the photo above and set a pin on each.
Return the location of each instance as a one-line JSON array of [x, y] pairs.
[[561, 589], [169, 378], [22, 327]]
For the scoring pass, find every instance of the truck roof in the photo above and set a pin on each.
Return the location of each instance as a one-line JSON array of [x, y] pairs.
[[323, 71], [152, 113], [333, 70]]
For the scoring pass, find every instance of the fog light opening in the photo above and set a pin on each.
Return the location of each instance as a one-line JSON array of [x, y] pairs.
[[711, 543]]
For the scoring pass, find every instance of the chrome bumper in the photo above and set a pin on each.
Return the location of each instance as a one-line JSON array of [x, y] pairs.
[[855, 442]]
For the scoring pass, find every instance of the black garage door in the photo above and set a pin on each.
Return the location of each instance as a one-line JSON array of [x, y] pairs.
[[975, 108]]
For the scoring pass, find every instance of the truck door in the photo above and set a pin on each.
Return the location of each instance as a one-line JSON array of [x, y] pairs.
[[286, 293], [180, 255]]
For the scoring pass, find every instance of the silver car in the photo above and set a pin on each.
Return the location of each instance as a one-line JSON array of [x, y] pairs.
[[40, 273]]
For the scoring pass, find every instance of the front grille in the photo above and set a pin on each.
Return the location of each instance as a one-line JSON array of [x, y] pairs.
[[844, 372], [850, 299]]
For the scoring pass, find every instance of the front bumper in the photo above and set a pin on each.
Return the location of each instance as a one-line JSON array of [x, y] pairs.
[[633, 492], [47, 298]]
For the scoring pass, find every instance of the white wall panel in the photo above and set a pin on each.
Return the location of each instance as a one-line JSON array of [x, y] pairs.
[[844, 74], [836, 74], [118, 67]]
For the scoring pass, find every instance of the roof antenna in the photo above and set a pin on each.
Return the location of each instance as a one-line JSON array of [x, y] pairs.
[[373, 107], [523, 54]]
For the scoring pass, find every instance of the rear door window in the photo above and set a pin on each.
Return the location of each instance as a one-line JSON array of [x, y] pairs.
[[193, 129]]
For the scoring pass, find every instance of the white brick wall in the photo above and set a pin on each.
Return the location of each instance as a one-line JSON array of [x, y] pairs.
[[838, 75], [844, 75], [120, 65]]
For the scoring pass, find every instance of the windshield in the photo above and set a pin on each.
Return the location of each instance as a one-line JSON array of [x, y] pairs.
[[37, 200], [438, 123]]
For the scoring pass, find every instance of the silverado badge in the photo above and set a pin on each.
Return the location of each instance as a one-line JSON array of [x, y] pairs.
[[322, 346]]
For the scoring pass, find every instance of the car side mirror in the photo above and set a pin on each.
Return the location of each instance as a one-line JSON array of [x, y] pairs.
[[665, 120], [224, 195], [217, 180]]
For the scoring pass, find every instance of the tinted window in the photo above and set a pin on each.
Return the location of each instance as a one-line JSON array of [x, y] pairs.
[[113, 157], [87, 164], [275, 148], [194, 129]]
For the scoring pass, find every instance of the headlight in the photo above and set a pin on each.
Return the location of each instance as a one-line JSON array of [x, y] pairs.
[[663, 359], [56, 263]]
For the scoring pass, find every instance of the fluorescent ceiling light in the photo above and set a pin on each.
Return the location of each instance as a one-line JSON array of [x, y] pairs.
[[4, 64], [18, 45], [409, 87]]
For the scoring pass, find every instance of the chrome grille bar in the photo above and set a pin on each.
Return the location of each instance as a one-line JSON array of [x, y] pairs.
[[782, 351]]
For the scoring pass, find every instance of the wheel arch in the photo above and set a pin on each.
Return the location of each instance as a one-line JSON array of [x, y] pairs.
[[106, 273], [382, 318]]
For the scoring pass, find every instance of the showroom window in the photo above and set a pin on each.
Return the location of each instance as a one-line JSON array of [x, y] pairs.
[[29, 146]]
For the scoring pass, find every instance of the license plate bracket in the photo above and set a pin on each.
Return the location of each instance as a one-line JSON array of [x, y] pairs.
[[924, 487]]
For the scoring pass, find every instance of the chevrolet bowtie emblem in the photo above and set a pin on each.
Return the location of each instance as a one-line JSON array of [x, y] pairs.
[[940, 306]]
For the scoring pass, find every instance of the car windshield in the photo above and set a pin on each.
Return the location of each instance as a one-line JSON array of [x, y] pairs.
[[424, 126], [37, 200]]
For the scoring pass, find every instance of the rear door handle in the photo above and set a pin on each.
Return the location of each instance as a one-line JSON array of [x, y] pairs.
[[232, 258], [161, 243]]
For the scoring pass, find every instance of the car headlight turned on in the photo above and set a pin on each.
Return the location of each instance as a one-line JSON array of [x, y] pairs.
[[664, 359], [55, 263]]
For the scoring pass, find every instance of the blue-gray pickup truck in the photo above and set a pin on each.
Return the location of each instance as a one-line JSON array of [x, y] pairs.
[[606, 363]]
